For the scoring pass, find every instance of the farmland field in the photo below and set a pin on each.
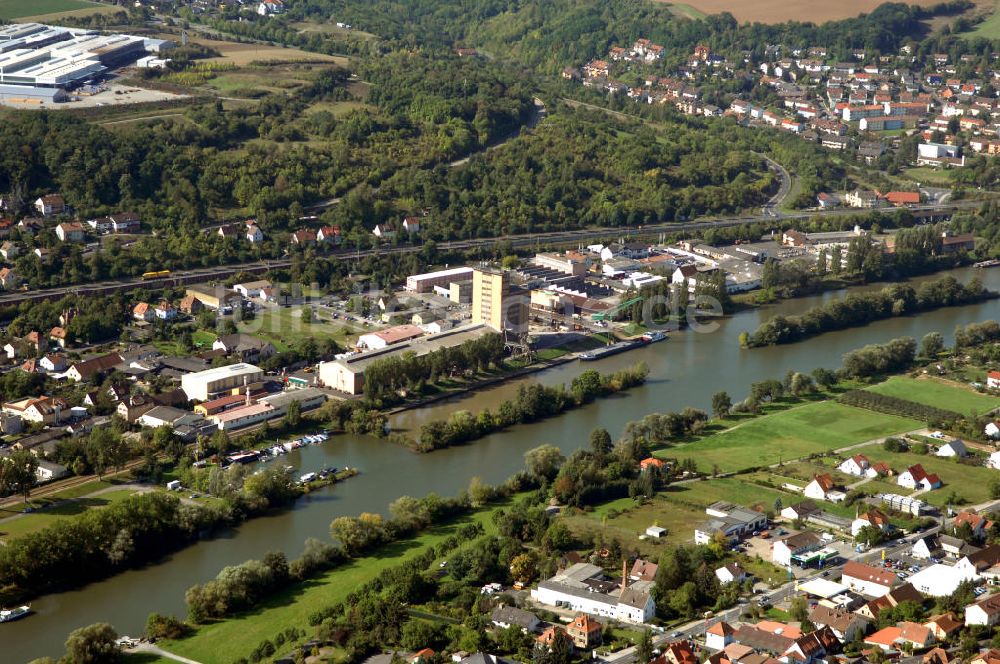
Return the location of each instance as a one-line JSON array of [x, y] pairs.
[[17, 9], [968, 482], [779, 11], [937, 393], [790, 434], [989, 28]]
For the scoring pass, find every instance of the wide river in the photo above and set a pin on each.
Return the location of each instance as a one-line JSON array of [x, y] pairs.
[[684, 371]]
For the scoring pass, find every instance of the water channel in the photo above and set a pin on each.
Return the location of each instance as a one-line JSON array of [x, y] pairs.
[[684, 371]]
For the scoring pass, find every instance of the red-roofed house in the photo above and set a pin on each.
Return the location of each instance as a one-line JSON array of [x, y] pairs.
[[651, 462], [856, 465], [867, 580], [915, 477], [819, 488], [719, 635], [993, 380], [901, 198], [873, 518], [143, 312], [584, 631]]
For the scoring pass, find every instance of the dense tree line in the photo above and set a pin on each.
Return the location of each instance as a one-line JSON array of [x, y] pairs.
[[876, 360], [883, 403], [863, 308], [139, 529], [384, 378], [531, 404]]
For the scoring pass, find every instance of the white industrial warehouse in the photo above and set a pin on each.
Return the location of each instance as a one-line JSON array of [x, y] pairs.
[[41, 62]]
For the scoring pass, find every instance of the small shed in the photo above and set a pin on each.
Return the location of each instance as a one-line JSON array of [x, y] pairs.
[[656, 531]]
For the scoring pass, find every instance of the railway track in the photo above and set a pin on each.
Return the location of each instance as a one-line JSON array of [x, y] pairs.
[[199, 275]]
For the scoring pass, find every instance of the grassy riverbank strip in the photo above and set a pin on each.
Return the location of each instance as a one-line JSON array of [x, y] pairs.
[[231, 638]]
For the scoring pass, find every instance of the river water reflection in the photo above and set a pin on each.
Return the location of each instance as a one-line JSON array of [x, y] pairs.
[[686, 370]]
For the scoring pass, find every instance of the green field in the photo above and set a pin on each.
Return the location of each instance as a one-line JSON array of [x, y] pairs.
[[971, 482], [937, 393], [283, 327], [929, 175], [228, 640], [988, 29], [790, 434], [30, 523], [14, 9]]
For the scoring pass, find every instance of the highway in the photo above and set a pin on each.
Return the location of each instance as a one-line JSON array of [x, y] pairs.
[[571, 237]]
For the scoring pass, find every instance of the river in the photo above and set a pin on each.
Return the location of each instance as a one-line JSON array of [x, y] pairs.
[[686, 370]]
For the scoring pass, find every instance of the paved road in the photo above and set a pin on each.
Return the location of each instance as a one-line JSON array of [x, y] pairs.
[[200, 275], [156, 650]]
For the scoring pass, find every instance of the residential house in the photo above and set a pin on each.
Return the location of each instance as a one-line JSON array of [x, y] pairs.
[[678, 652], [977, 523], [132, 408], [584, 632], [954, 448], [8, 278], [984, 612], [937, 656], [872, 518], [549, 636], [411, 225], [125, 222], [70, 231], [975, 563], [856, 465], [860, 198], [9, 250], [822, 488], [506, 617], [991, 656], [915, 477], [719, 635], [254, 234], [944, 626], [42, 410], [846, 625], [229, 231], [330, 234], [800, 510], [94, 367], [993, 380], [50, 205], [730, 573], [53, 362], [190, 305], [643, 570], [304, 237], [143, 312], [384, 231], [868, 580], [916, 635], [57, 335], [270, 7], [165, 311], [651, 462], [245, 346]]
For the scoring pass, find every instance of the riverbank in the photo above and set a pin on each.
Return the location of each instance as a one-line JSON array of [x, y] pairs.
[[861, 309], [533, 404], [685, 372], [234, 637]]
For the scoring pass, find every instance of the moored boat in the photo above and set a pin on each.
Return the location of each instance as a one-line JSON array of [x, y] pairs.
[[9, 615]]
